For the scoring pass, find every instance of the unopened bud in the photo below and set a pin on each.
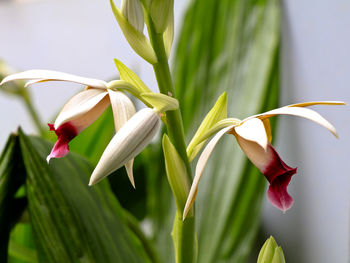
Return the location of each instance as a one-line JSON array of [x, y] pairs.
[[136, 39], [128, 142], [132, 11], [271, 252]]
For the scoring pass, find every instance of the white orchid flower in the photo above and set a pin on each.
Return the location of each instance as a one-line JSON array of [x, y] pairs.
[[128, 142], [253, 135], [82, 109]]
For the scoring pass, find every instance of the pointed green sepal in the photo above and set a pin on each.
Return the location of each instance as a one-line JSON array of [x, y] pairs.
[[124, 85], [128, 75], [217, 113], [219, 126], [136, 39], [271, 252], [278, 257], [176, 173], [128, 87], [160, 11], [160, 101]]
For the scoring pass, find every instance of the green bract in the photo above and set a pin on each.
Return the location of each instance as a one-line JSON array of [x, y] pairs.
[[160, 101], [129, 76], [217, 113], [176, 173]]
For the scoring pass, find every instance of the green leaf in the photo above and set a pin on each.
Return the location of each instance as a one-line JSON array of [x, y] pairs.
[[72, 222], [232, 46], [12, 177], [22, 239], [22, 252]]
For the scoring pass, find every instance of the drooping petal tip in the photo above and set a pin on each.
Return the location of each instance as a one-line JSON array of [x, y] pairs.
[[65, 133], [279, 175]]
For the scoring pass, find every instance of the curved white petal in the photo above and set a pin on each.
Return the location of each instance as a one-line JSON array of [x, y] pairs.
[[129, 171], [300, 112], [261, 157], [83, 108], [253, 130], [202, 161], [129, 141], [35, 81], [311, 103], [122, 106], [123, 110], [37, 75]]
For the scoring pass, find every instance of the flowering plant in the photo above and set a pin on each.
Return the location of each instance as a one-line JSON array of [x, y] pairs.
[[135, 130]]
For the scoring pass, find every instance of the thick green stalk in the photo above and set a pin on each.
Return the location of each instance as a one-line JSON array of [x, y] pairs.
[[183, 231], [184, 244], [166, 86]]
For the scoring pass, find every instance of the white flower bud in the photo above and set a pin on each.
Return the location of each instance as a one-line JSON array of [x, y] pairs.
[[130, 140], [132, 11]]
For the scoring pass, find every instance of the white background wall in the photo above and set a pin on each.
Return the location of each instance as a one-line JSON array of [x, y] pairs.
[[315, 66], [82, 37]]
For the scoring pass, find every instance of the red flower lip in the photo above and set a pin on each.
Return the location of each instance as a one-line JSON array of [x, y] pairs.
[[65, 133], [279, 175]]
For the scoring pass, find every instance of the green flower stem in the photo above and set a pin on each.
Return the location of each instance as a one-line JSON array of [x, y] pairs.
[[184, 244], [183, 231], [165, 84], [33, 113]]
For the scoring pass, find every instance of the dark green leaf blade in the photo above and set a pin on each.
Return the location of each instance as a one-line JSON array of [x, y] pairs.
[[72, 222], [12, 177]]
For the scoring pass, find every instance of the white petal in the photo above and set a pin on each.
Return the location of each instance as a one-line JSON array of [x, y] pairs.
[[83, 108], [311, 103], [129, 171], [300, 112], [129, 141], [202, 161], [122, 106], [123, 110], [253, 130], [31, 82], [261, 157], [49, 75]]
